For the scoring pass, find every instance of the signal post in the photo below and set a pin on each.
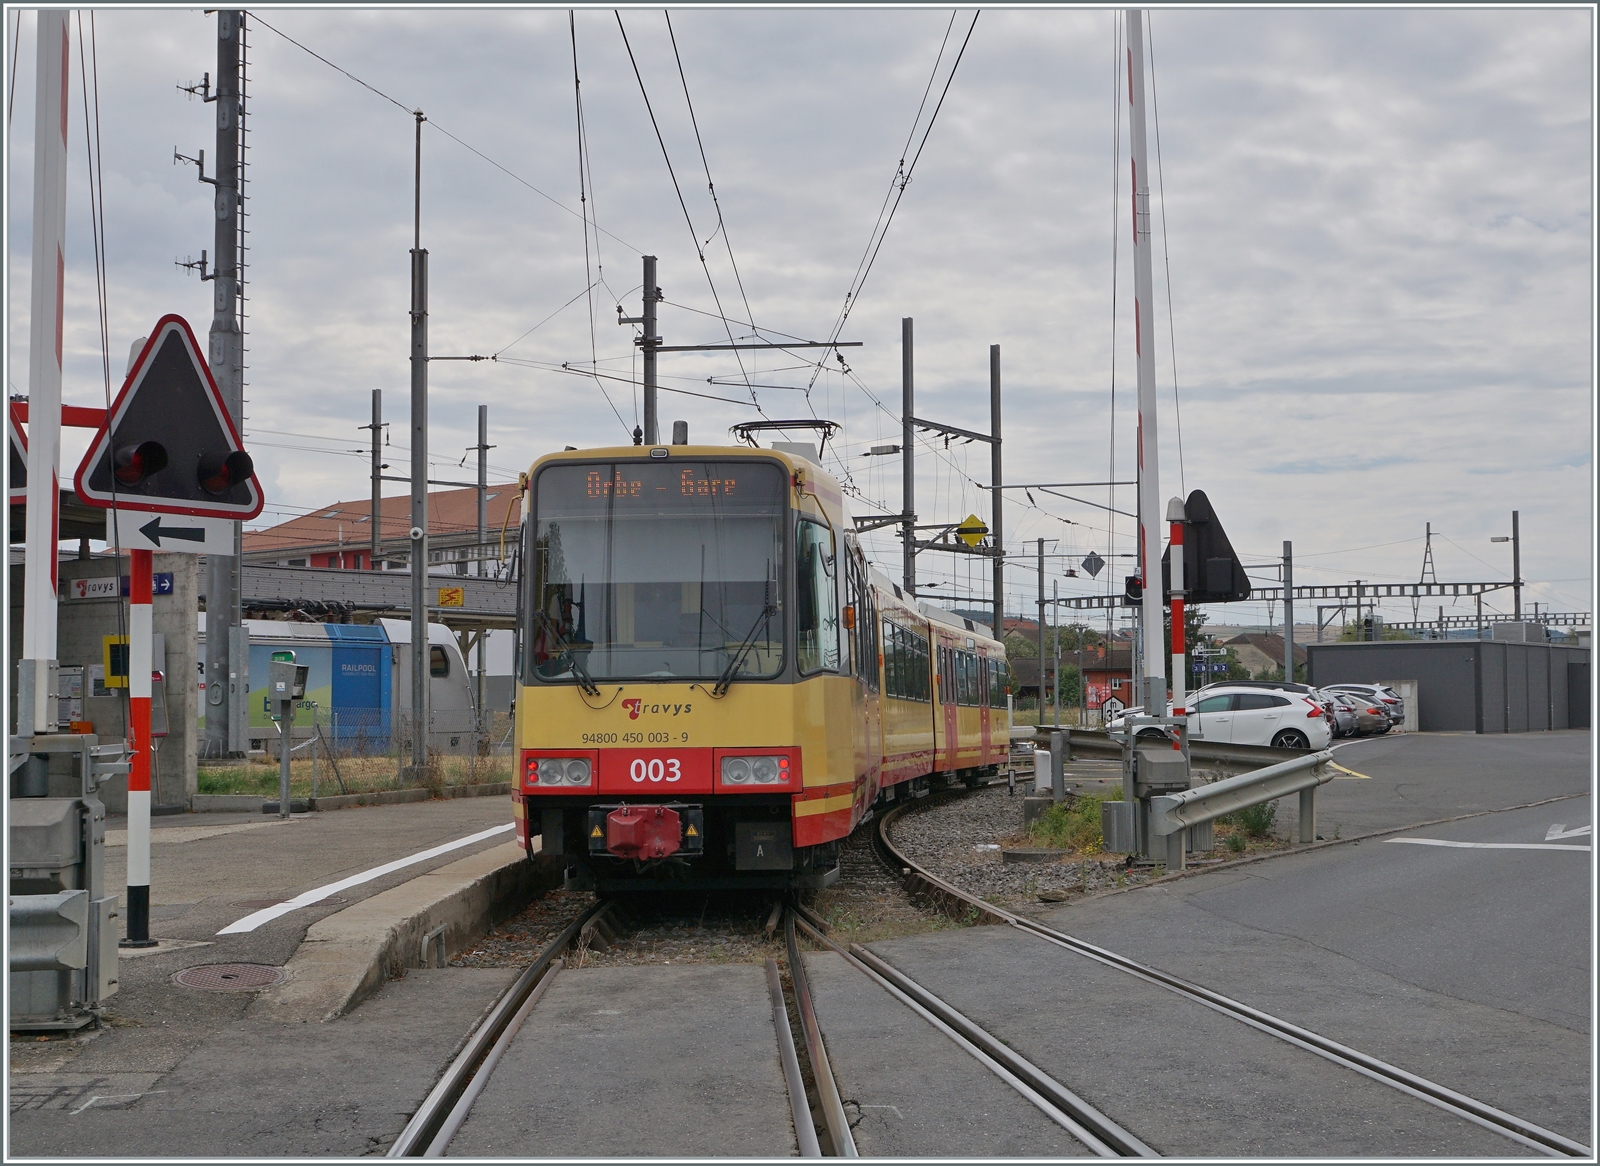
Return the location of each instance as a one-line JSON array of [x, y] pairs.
[[168, 464]]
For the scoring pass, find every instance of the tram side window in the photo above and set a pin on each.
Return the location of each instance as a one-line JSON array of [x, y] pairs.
[[906, 663], [997, 684], [816, 599]]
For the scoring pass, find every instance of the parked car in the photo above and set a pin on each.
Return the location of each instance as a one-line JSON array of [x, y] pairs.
[[1276, 686], [1371, 719], [1342, 705], [1378, 694], [1240, 714]]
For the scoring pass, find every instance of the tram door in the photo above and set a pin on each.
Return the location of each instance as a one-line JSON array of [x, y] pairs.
[[985, 687], [949, 693]]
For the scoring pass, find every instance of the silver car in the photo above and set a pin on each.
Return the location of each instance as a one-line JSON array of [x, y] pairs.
[[1344, 715], [1379, 694], [1371, 719]]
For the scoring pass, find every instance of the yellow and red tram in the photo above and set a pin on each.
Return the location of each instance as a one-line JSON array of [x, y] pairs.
[[715, 687]]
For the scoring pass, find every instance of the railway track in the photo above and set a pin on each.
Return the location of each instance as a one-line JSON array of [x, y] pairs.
[[600, 927], [931, 889]]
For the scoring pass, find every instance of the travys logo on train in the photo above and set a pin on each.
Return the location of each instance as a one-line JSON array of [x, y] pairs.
[[636, 707]]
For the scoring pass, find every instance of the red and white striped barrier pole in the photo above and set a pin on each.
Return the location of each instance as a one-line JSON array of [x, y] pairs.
[[1180, 697], [139, 664], [36, 704]]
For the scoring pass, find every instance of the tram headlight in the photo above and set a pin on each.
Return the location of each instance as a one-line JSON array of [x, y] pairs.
[[767, 770], [553, 771]]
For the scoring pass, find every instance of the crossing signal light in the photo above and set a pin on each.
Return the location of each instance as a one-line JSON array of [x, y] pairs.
[[1212, 572], [219, 474], [168, 443], [135, 463]]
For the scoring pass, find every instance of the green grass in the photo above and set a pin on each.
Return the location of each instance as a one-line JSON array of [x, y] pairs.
[[1072, 825]]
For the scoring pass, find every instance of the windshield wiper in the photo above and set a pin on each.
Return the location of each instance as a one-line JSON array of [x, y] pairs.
[[767, 611], [585, 681]]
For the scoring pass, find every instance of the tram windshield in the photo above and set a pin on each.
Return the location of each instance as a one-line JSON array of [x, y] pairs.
[[656, 570]]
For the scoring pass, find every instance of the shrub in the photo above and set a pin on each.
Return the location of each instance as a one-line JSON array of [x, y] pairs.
[[1235, 843], [1257, 821], [1073, 824]]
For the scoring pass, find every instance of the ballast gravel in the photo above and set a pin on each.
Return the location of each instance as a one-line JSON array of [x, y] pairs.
[[963, 841]]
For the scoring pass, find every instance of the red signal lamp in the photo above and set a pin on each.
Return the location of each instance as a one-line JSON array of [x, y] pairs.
[[218, 475], [134, 463]]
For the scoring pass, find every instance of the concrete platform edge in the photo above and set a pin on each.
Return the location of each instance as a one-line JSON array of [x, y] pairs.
[[252, 803], [348, 955]]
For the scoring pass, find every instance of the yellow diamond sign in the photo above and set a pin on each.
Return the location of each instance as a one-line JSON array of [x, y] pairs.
[[972, 530]]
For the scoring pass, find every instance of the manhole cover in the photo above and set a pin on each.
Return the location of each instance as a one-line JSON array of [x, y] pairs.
[[230, 977]]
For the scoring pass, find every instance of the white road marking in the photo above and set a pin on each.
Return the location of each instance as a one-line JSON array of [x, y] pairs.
[[1559, 830], [113, 1097], [307, 898], [1488, 845]]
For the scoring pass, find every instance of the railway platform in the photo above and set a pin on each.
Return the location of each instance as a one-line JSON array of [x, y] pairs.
[[318, 900]]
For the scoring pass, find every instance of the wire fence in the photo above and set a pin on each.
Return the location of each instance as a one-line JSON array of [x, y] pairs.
[[363, 750]]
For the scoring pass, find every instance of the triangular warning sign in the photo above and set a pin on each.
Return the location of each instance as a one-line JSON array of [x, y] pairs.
[[691, 832], [17, 441], [1212, 572], [597, 833], [168, 444]]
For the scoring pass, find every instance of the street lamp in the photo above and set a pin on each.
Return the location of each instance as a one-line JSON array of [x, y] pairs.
[[1515, 539]]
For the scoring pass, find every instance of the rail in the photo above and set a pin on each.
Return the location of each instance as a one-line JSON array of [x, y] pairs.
[[1102, 1136], [833, 1113], [444, 1109], [1516, 1129]]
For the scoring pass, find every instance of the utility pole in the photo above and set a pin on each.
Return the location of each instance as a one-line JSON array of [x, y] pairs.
[[1041, 631], [419, 478], [224, 724], [1155, 686], [36, 705], [997, 494], [649, 342], [1055, 636], [376, 533], [1288, 610], [1516, 567], [483, 533], [908, 468]]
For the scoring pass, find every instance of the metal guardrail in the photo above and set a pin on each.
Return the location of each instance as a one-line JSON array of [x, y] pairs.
[[1098, 743], [1174, 813], [49, 933]]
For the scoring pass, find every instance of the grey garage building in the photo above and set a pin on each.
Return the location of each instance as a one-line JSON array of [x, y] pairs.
[[1482, 686]]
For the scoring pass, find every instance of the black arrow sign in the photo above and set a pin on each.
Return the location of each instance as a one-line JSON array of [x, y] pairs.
[[154, 531]]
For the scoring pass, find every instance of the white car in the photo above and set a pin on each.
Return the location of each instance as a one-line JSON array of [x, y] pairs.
[[1251, 716]]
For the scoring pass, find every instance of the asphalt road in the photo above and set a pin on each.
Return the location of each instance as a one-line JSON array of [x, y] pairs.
[[1467, 964]]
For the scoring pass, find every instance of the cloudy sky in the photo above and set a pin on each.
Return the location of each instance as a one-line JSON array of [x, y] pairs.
[[1377, 225]]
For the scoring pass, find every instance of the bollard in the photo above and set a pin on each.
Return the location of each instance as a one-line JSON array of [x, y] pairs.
[[1058, 753]]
